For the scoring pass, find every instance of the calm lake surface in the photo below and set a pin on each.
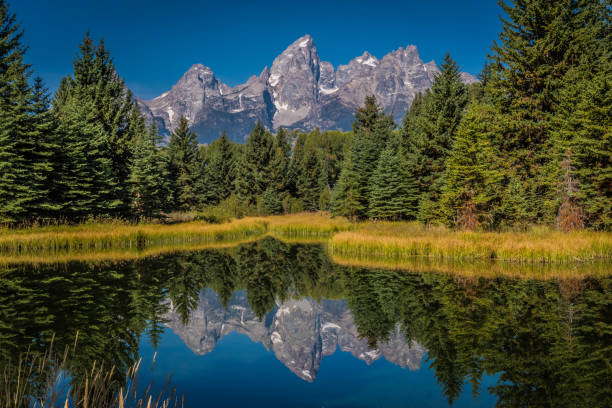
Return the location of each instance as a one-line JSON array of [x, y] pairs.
[[271, 324]]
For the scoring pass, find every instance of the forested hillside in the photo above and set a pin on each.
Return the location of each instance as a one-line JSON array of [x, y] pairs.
[[530, 143]]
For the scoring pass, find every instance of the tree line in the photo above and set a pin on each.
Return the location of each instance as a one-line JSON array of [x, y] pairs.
[[529, 143]]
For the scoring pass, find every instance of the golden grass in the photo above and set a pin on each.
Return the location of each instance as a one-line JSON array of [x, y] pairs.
[[115, 254], [405, 245], [306, 225], [399, 241], [88, 238], [485, 269]]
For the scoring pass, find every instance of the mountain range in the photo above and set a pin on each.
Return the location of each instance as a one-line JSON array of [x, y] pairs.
[[299, 91], [299, 332]]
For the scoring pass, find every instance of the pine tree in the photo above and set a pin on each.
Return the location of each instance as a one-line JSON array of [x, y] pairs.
[[393, 193], [536, 49], [473, 178], [44, 155], [590, 146], [221, 170], [254, 173], [86, 174], [280, 163], [346, 200], [149, 177], [98, 140], [272, 202], [372, 129], [183, 154], [26, 132], [429, 132], [310, 181]]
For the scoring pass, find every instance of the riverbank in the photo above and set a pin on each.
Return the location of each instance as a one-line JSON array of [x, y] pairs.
[[395, 244]]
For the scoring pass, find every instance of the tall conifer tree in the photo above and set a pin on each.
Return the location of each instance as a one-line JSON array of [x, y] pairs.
[[26, 132], [183, 153], [429, 132], [393, 192]]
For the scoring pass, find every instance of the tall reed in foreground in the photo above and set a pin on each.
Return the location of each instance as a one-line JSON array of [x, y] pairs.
[[41, 381]]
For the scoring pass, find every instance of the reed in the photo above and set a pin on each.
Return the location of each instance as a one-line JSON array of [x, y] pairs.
[[307, 225], [115, 254], [483, 268], [40, 381], [389, 242], [397, 242], [87, 238]]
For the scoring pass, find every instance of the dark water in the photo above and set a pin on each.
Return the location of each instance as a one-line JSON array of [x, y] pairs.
[[270, 324]]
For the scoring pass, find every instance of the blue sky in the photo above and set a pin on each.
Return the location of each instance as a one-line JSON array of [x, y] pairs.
[[154, 42]]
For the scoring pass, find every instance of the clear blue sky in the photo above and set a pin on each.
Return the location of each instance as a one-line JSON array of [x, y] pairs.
[[154, 42]]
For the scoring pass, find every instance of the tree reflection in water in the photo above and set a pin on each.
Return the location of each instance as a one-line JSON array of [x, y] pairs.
[[550, 342]]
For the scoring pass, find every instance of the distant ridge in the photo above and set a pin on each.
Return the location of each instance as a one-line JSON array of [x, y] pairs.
[[298, 91]]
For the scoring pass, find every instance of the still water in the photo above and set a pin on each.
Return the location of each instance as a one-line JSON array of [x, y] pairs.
[[271, 324]]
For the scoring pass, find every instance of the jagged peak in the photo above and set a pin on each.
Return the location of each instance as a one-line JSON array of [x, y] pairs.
[[303, 42], [431, 65], [367, 59], [408, 55], [199, 68], [265, 73]]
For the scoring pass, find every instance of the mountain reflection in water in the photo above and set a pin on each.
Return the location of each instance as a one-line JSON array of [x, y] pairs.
[[300, 332], [548, 343]]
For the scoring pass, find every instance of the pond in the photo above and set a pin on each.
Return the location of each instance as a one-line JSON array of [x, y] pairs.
[[274, 324]]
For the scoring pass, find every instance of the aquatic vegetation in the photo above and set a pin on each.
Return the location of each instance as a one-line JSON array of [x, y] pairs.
[[45, 380], [307, 225], [481, 268], [404, 245], [102, 236], [402, 241]]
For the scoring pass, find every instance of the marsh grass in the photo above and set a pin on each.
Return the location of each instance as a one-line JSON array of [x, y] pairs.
[[402, 241], [482, 268], [390, 243], [87, 238], [40, 381], [307, 225]]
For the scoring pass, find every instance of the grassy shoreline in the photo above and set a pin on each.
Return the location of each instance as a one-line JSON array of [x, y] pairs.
[[387, 244]]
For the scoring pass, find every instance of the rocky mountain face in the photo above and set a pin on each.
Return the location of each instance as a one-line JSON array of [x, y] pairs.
[[299, 91], [299, 332]]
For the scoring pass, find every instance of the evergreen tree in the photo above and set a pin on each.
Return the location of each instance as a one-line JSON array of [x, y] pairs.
[[272, 202], [96, 118], [254, 173], [536, 49], [429, 132], [183, 154], [279, 164], [26, 132], [472, 182], [87, 184], [149, 176], [590, 147], [393, 193], [372, 129], [221, 170], [346, 200], [311, 181]]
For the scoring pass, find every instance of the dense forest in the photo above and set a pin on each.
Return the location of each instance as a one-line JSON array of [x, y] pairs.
[[530, 143]]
